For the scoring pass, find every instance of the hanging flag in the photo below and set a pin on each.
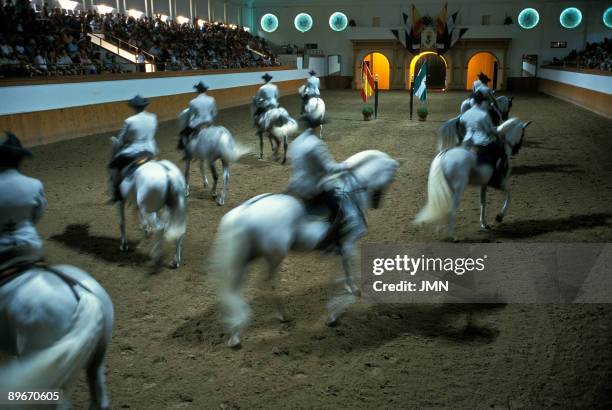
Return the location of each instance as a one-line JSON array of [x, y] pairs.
[[421, 33], [367, 82], [420, 86]]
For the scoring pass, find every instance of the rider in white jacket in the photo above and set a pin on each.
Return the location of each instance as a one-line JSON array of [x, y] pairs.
[[265, 98], [311, 164], [311, 89], [22, 204], [135, 141], [481, 137]]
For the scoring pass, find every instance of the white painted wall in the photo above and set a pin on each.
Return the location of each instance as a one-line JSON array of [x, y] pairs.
[[600, 83], [30, 98], [535, 41]]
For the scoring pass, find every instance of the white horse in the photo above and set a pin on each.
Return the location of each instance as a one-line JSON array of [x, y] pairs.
[[279, 125], [210, 145], [56, 322], [452, 170], [271, 225], [315, 109], [156, 186], [451, 133]]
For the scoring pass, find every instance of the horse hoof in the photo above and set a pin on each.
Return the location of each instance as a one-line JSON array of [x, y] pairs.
[[486, 227], [174, 265], [123, 247], [234, 343], [282, 317], [332, 322], [499, 218]]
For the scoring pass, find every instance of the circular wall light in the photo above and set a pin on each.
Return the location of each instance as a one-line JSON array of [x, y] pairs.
[[338, 21], [607, 17], [303, 22], [269, 23], [528, 18], [571, 17]]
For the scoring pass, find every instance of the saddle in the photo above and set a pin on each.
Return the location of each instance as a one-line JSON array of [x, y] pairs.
[[494, 155], [130, 168], [188, 133], [13, 272]]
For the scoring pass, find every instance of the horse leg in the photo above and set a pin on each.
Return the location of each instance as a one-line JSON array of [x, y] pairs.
[[483, 203], [272, 281], [500, 216], [204, 178], [285, 143], [123, 246], [274, 148], [339, 303], [226, 174], [261, 144], [238, 312], [145, 223], [321, 131], [187, 166], [215, 177], [97, 383], [158, 237], [177, 253], [457, 189]]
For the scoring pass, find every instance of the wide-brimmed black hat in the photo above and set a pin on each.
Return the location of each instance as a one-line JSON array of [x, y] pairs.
[[483, 78], [10, 147], [138, 102], [312, 72], [266, 77], [201, 87]]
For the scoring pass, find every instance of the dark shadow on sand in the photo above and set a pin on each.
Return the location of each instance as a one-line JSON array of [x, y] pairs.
[[78, 237], [534, 227], [358, 329], [539, 145], [547, 168]]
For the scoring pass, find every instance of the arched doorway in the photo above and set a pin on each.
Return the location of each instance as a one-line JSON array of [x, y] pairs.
[[436, 69], [379, 64], [485, 62]]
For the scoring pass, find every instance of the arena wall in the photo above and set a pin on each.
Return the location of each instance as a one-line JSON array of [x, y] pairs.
[[589, 89], [41, 113]]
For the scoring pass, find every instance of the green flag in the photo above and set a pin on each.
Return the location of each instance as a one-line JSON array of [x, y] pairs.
[[420, 86]]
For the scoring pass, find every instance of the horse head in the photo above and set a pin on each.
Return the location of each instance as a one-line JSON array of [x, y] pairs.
[[512, 133], [375, 170]]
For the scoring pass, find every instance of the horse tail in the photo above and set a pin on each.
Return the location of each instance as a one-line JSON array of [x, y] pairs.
[[229, 258], [290, 127], [230, 149], [56, 366], [448, 134], [439, 195], [175, 218]]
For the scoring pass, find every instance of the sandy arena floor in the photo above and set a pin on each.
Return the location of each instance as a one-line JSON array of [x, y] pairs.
[[169, 348]]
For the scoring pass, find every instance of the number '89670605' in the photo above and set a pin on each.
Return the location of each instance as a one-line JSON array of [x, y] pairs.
[[40, 396]]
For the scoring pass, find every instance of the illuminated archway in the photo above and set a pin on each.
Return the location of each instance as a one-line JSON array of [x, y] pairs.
[[379, 65], [436, 69], [482, 61]]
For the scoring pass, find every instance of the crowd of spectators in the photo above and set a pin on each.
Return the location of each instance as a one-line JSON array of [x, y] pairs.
[[201, 45], [48, 42], [595, 56], [54, 42]]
